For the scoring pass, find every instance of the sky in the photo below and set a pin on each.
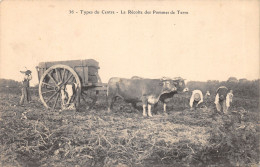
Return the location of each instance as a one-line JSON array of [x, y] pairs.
[[214, 41]]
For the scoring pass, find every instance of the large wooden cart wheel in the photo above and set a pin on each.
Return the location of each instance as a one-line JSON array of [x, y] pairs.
[[60, 88]]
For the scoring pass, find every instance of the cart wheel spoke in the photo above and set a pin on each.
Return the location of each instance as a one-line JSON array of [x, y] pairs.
[[52, 79], [48, 84], [56, 99], [67, 79], [48, 91], [51, 97], [63, 74], [57, 75]]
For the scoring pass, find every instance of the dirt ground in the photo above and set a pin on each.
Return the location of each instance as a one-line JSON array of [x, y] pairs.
[[30, 135]]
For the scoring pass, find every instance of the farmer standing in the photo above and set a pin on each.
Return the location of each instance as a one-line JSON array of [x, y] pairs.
[[196, 99], [26, 97]]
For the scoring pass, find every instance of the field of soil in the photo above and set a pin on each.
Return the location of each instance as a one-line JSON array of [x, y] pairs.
[[30, 135]]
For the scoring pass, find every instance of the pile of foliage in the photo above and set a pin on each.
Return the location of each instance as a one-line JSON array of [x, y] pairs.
[[234, 140], [36, 138]]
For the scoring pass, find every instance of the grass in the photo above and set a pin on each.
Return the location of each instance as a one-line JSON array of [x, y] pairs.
[[33, 136]]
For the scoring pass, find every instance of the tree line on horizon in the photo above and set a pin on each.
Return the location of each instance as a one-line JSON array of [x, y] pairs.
[[241, 87]]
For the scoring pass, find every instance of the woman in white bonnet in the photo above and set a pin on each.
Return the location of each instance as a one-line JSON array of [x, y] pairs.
[[26, 97], [196, 99]]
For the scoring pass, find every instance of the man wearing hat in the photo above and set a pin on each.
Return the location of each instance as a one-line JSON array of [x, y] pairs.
[[196, 99], [25, 86]]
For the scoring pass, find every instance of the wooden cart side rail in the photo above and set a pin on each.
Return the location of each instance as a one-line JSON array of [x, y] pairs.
[[81, 70], [85, 69]]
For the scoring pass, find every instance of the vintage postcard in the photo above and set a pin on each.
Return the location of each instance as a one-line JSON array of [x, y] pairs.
[[129, 83]]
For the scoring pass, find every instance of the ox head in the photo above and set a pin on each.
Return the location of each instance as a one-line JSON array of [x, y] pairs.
[[180, 84], [168, 85]]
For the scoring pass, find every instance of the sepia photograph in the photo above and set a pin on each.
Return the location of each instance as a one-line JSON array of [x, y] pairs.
[[127, 83]]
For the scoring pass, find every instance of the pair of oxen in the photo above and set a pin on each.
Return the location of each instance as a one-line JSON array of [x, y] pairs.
[[151, 91], [147, 91]]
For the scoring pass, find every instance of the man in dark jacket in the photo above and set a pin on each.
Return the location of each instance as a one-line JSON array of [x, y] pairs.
[[26, 97], [223, 99]]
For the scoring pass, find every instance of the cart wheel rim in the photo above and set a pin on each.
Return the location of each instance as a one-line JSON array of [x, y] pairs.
[[54, 87]]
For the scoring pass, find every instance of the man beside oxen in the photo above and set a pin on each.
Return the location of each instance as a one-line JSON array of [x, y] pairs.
[[147, 91]]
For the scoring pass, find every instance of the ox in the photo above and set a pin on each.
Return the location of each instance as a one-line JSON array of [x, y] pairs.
[[147, 91], [165, 97]]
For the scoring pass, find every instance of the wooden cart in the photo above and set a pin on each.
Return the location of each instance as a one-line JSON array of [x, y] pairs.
[[56, 77]]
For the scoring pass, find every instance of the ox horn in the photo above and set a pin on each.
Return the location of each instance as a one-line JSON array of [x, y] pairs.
[[178, 78], [165, 79]]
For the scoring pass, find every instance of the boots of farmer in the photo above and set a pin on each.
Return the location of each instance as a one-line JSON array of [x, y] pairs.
[[24, 97], [29, 98]]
